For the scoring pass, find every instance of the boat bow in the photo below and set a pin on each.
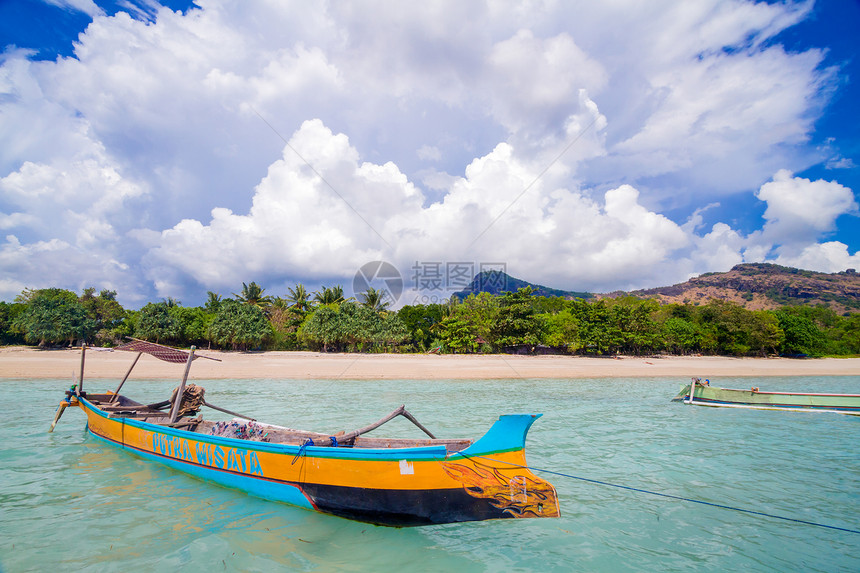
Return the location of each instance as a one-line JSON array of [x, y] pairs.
[[494, 468]]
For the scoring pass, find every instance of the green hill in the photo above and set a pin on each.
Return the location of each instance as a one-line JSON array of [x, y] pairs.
[[497, 282]]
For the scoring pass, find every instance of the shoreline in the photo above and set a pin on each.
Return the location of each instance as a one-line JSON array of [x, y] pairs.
[[17, 362]]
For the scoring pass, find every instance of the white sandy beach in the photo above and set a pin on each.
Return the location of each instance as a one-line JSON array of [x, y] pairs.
[[23, 362]]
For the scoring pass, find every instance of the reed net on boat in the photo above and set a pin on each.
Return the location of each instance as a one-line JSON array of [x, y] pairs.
[[161, 352], [192, 400]]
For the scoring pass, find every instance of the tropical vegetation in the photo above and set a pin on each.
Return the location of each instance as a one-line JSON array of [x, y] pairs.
[[518, 322]]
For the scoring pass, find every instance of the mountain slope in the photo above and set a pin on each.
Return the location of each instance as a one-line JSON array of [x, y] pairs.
[[765, 286]]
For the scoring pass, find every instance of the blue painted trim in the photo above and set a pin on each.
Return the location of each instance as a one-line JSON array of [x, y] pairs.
[[506, 435], [423, 453], [262, 487]]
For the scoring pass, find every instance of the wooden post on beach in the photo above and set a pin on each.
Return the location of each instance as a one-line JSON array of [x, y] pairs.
[[177, 400]]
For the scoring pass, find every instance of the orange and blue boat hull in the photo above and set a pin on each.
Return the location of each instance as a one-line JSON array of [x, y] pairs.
[[388, 486]]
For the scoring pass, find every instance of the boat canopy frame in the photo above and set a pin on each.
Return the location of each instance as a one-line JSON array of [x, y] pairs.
[[177, 356]]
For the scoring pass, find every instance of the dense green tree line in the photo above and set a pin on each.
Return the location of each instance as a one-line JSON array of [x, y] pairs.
[[250, 319], [511, 322], [522, 322]]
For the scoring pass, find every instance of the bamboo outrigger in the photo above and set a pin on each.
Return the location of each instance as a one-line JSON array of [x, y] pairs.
[[398, 482], [703, 394]]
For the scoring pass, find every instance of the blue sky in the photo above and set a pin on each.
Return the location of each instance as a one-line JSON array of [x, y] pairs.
[[166, 150]]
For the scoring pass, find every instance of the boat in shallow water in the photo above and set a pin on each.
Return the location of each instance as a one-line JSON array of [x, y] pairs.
[[386, 481], [704, 394]]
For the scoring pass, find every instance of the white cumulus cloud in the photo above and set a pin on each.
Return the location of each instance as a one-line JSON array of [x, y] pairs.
[[800, 210], [556, 138]]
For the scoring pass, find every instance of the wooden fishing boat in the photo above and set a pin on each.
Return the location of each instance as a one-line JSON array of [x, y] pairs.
[[399, 482], [706, 395]]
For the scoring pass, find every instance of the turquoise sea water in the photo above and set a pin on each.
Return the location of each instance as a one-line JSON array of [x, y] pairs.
[[69, 502]]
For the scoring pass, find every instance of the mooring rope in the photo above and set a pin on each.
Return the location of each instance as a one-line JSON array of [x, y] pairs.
[[678, 497]]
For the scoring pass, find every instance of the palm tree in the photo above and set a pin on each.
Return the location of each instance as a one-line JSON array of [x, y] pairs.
[[252, 294], [337, 293], [327, 295], [374, 299], [299, 297], [213, 301]]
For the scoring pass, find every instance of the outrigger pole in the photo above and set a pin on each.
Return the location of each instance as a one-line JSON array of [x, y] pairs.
[[177, 399], [401, 411], [692, 390], [127, 374], [80, 387]]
